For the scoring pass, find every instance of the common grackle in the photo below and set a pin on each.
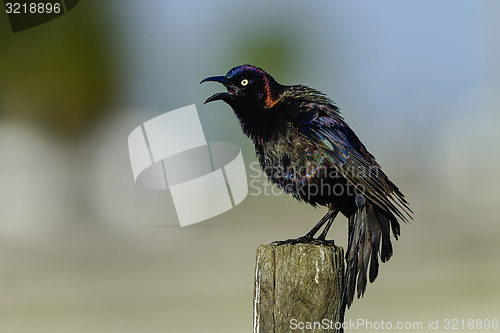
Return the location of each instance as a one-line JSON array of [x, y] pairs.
[[306, 148]]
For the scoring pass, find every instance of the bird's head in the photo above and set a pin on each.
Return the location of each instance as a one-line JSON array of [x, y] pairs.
[[247, 87]]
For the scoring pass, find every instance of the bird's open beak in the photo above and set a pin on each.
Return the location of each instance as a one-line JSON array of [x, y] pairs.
[[231, 89]]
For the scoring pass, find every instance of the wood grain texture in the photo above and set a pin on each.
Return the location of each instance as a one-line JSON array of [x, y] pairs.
[[298, 285]]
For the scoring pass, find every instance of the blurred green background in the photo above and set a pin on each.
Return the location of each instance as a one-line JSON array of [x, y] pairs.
[[83, 249]]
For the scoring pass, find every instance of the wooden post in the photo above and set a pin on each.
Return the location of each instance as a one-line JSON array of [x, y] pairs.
[[298, 288]]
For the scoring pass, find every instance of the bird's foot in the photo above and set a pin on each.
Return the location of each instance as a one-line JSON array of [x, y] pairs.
[[301, 240], [305, 240]]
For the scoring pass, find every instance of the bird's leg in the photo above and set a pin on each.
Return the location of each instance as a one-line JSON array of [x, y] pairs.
[[332, 216], [318, 226], [309, 237]]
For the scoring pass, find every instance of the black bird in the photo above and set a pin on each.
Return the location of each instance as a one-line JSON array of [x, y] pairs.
[[306, 148]]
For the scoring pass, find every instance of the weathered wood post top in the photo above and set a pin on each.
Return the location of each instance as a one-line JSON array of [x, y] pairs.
[[298, 288]]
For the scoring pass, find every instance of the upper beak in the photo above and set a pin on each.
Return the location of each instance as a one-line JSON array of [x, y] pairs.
[[231, 88], [221, 79]]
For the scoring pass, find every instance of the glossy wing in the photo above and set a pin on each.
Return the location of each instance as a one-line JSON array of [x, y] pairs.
[[378, 207], [343, 149]]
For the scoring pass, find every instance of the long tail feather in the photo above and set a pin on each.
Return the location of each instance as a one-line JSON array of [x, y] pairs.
[[369, 238]]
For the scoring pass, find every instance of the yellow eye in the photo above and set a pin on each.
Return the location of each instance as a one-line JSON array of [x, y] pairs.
[[244, 82]]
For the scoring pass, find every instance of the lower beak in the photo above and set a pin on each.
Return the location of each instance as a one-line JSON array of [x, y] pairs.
[[218, 96]]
